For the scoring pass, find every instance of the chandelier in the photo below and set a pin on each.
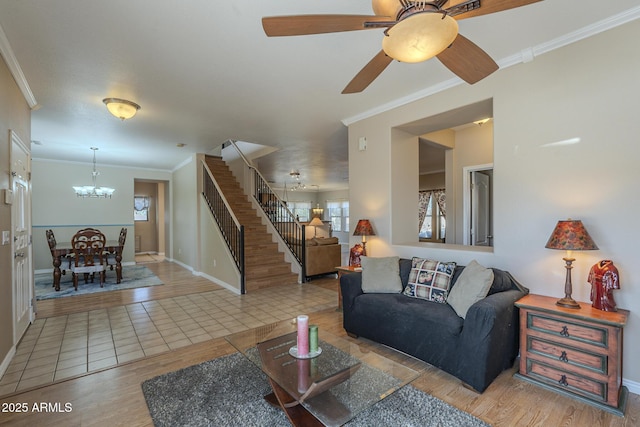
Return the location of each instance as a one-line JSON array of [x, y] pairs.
[[94, 191], [317, 211], [297, 184]]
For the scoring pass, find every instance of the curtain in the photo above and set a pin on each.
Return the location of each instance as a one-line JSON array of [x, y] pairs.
[[423, 204], [442, 201]]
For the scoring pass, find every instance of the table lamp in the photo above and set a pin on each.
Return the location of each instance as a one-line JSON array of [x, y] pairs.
[[364, 229], [316, 222], [570, 235]]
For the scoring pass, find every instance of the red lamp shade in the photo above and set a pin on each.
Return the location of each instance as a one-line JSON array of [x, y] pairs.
[[364, 228], [570, 235]]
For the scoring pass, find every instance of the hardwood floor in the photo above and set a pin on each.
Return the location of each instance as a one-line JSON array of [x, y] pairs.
[[114, 397]]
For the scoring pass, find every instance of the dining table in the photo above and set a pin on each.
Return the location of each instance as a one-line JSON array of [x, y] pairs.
[[62, 250]]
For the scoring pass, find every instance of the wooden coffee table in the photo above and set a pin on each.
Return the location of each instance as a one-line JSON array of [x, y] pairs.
[[327, 390]]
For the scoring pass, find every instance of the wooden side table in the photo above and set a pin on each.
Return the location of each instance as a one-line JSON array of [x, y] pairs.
[[344, 269], [575, 352]]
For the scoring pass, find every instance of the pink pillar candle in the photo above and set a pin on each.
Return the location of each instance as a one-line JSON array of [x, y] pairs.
[[303, 375], [303, 335]]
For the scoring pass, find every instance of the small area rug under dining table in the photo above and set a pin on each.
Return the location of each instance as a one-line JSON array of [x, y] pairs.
[[229, 391], [133, 276]]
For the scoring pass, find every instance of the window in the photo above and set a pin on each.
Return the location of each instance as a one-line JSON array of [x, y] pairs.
[[339, 214], [141, 208], [300, 210]]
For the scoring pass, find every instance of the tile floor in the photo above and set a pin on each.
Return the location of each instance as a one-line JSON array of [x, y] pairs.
[[61, 347]]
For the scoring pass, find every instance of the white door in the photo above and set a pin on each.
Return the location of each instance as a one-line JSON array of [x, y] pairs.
[[480, 205], [20, 236]]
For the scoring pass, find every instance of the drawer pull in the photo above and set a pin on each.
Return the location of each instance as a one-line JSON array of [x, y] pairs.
[[564, 357], [563, 381], [564, 332]]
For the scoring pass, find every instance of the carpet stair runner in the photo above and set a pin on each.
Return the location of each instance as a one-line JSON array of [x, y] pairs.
[[265, 265]]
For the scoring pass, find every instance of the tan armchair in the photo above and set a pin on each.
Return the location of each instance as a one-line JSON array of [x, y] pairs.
[[322, 256]]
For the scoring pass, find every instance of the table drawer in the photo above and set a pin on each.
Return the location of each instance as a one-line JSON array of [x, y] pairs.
[[561, 353], [567, 380], [569, 330]]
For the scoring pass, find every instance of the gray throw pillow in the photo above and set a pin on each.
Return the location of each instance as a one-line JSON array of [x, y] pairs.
[[472, 286], [381, 275]]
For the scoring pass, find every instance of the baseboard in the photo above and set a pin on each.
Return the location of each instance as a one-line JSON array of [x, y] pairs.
[[219, 282], [7, 360], [206, 276], [633, 386], [181, 264]]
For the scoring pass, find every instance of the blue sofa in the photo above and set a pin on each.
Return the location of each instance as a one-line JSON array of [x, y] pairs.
[[475, 349]]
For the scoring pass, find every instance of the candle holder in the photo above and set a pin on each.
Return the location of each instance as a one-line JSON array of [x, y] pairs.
[[307, 337]]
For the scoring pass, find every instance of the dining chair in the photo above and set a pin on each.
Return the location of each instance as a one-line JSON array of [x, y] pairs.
[[51, 240], [88, 247], [111, 257]]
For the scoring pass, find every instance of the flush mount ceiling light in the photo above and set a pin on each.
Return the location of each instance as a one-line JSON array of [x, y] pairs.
[[94, 191], [483, 121], [121, 108]]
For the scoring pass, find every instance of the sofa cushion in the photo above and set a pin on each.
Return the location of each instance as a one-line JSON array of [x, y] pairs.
[[381, 275], [405, 270], [502, 281], [429, 279], [419, 322], [472, 286]]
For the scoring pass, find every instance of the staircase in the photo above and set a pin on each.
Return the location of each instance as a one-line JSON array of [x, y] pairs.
[[264, 264]]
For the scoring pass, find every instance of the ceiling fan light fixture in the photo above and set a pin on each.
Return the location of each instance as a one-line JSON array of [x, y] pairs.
[[386, 7], [420, 37], [121, 108]]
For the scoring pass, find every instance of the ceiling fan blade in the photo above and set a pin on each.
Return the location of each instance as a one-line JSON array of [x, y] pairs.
[[469, 8], [465, 59], [296, 25], [369, 73]]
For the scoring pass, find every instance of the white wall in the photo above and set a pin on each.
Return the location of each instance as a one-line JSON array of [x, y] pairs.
[[588, 90], [56, 206], [216, 262], [185, 214]]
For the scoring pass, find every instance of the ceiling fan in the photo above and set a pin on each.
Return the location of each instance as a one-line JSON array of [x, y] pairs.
[[415, 31]]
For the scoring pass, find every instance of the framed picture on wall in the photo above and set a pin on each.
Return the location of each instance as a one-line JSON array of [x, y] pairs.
[[141, 208]]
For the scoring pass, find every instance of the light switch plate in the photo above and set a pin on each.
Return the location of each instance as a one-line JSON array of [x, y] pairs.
[[6, 237], [8, 196], [362, 143]]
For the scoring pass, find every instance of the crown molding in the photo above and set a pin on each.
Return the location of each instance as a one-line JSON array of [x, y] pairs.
[[16, 71], [524, 56]]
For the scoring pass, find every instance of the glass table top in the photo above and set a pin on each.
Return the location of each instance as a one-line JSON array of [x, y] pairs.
[[343, 380]]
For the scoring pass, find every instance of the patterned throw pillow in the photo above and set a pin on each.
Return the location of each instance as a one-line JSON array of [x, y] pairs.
[[429, 279]]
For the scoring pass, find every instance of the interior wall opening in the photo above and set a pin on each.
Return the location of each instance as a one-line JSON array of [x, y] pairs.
[[447, 145]]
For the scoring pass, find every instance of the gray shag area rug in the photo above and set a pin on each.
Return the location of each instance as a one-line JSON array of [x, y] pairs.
[[229, 391], [133, 276]]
